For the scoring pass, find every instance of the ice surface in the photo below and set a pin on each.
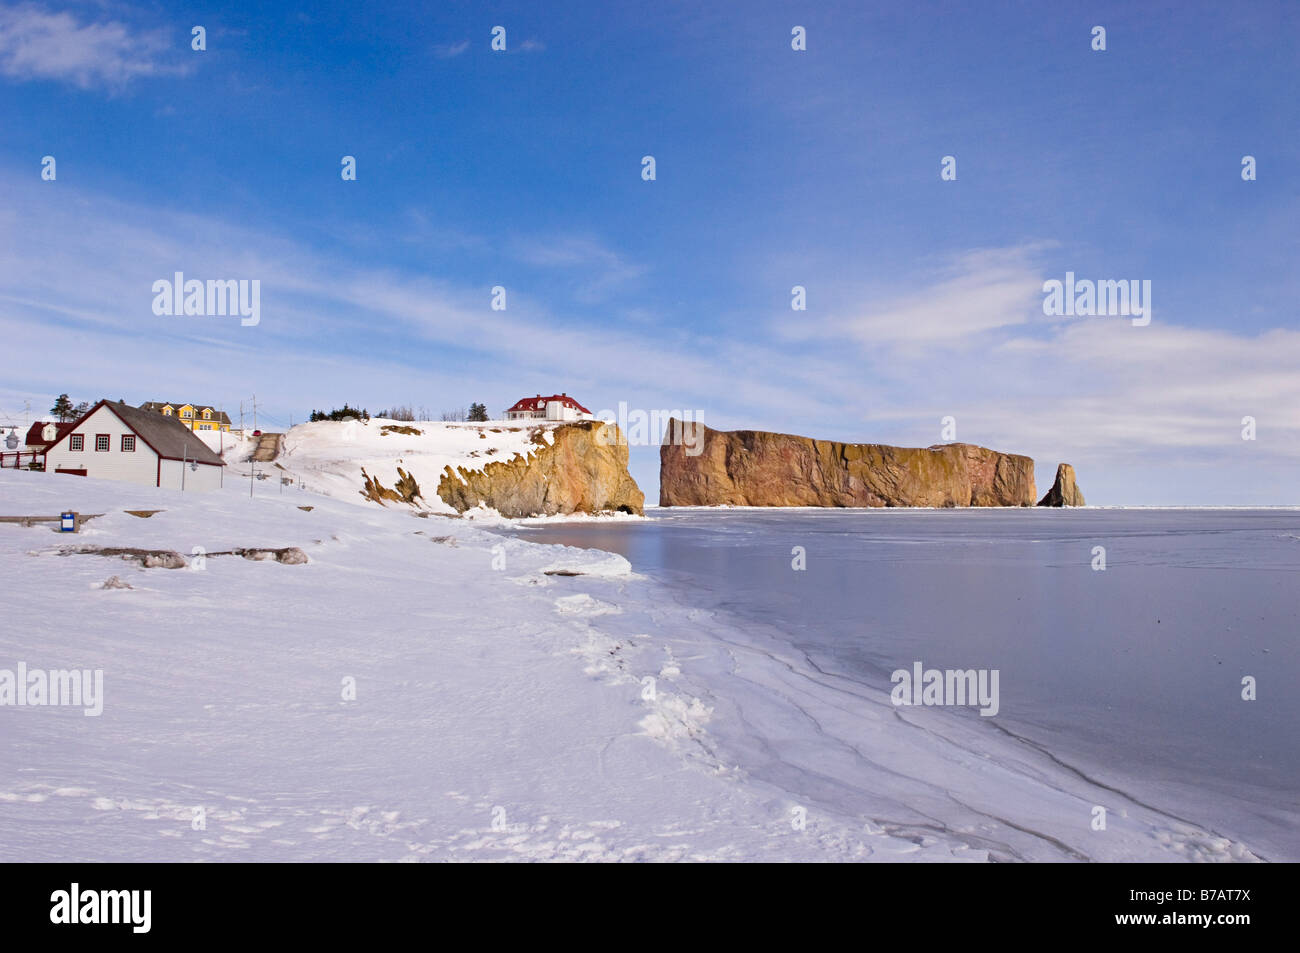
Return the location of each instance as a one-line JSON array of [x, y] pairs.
[[500, 712]]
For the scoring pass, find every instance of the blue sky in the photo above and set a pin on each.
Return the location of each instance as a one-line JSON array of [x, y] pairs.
[[774, 168]]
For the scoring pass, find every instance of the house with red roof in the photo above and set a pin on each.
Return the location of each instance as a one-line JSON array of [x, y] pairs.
[[42, 434], [555, 407]]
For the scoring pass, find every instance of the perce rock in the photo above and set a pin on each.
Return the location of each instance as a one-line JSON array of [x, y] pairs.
[[756, 468]]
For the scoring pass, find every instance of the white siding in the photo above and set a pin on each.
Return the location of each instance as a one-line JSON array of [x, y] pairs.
[[205, 476], [141, 466], [138, 466]]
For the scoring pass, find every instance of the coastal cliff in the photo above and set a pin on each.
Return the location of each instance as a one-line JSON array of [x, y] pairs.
[[579, 467], [757, 468]]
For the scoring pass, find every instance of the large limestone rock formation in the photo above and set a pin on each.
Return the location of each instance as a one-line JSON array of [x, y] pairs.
[[755, 468], [1064, 492], [582, 469]]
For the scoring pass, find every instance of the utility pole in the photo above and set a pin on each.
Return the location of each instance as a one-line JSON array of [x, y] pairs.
[[241, 418], [254, 411]]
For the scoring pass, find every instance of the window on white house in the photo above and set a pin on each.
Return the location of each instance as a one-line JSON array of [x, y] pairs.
[[128, 443], [103, 443], [76, 442]]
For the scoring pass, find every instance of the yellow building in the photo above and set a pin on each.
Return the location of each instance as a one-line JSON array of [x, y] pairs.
[[194, 416]]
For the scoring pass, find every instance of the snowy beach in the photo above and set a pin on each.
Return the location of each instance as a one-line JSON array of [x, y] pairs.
[[426, 689]]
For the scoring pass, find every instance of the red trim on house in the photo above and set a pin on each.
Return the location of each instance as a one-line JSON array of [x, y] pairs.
[[34, 438], [71, 448], [125, 437], [128, 427], [71, 472], [539, 403], [108, 440], [158, 477]]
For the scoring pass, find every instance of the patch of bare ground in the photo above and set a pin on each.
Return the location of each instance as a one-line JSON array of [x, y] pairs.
[[170, 559]]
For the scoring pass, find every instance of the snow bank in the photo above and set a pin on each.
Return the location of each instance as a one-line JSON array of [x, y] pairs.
[[328, 456]]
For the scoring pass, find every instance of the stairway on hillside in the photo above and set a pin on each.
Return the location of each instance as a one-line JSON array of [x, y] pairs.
[[268, 447]]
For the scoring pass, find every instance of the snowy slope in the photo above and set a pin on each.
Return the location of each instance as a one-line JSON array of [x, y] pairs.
[[500, 712], [328, 456]]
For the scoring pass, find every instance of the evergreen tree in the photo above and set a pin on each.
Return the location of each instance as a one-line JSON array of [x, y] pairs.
[[478, 412], [62, 408]]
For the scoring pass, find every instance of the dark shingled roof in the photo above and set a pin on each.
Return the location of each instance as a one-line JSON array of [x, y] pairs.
[[218, 416], [34, 438], [167, 435]]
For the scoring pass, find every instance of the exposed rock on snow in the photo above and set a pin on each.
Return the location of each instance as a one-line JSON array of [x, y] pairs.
[[405, 490], [289, 555], [756, 468], [582, 469], [148, 558], [1064, 492], [539, 468], [169, 559]]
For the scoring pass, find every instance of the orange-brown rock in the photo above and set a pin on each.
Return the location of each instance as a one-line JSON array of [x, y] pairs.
[[1065, 491], [756, 468], [582, 469]]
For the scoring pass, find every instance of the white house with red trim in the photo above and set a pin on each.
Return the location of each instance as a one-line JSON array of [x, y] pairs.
[[116, 441], [555, 407]]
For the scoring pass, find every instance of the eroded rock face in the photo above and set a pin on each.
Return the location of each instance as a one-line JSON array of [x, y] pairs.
[[757, 468], [1065, 491], [582, 470], [405, 490]]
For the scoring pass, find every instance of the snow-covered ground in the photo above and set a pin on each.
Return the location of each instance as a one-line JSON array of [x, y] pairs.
[[328, 456], [501, 710]]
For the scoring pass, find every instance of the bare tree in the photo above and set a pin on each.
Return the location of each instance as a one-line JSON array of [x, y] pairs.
[[454, 415]]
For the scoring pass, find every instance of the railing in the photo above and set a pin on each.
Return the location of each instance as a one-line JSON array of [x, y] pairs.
[[13, 460]]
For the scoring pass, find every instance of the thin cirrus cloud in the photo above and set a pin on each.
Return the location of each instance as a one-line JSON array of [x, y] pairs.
[[604, 270], [1097, 392], [447, 51], [978, 291], [40, 44]]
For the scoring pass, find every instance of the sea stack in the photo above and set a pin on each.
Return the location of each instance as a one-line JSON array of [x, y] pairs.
[[1064, 492]]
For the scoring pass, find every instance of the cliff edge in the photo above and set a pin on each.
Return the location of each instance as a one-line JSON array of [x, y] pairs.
[[757, 468], [579, 467]]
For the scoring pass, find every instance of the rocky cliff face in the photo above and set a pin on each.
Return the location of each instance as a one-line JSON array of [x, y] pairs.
[[583, 469], [1065, 491], [755, 468]]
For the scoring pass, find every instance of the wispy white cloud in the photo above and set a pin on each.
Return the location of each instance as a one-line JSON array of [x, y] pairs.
[[447, 51], [979, 291], [1097, 392], [40, 44], [604, 270]]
